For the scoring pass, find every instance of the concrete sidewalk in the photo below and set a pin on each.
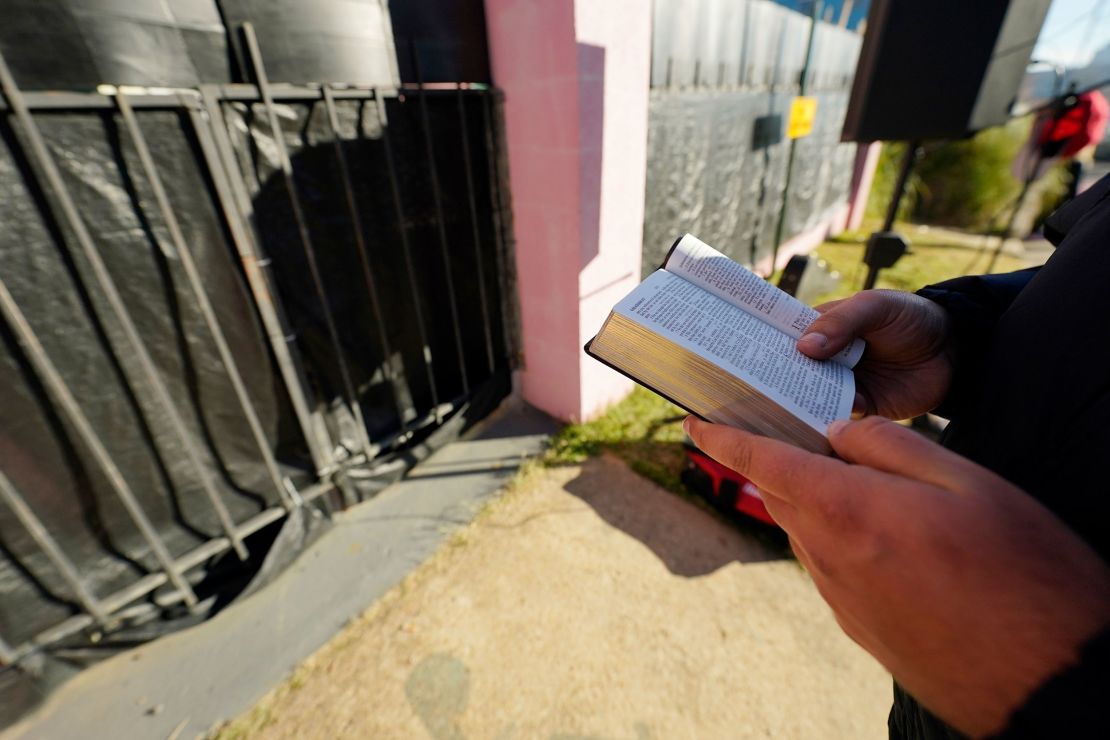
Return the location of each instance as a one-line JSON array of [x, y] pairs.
[[589, 603]]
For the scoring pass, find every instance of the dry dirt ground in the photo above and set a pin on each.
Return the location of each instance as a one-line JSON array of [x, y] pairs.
[[588, 603]]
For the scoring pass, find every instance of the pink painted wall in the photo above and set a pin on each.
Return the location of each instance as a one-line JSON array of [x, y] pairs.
[[575, 78], [622, 29]]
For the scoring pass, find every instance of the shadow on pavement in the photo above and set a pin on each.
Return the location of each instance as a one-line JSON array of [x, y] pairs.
[[689, 541]]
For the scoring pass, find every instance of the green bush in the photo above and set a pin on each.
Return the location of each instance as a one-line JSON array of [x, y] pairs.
[[882, 187], [966, 183]]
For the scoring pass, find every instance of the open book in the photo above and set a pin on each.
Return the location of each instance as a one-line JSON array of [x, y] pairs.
[[719, 341]]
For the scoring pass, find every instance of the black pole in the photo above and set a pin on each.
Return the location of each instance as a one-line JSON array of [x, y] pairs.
[[872, 276], [909, 158], [803, 88], [1008, 231], [913, 150]]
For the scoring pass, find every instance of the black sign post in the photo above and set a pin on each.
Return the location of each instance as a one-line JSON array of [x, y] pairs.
[[886, 247]]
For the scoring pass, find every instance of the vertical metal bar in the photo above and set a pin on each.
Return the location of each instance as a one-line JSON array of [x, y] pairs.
[[1007, 232], [474, 226], [909, 158], [742, 74], [803, 85], [235, 202], [406, 250], [42, 537], [184, 254], [286, 167], [905, 169], [363, 251], [103, 278], [496, 207], [433, 172], [61, 394]]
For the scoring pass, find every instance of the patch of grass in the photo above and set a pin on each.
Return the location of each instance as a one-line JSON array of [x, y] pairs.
[[643, 430], [247, 726], [935, 255], [968, 181], [882, 187]]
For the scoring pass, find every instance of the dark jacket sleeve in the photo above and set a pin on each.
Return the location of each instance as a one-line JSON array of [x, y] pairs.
[[1072, 704], [973, 305]]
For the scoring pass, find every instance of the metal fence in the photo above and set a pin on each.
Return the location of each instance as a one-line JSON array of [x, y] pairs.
[[723, 75], [220, 307]]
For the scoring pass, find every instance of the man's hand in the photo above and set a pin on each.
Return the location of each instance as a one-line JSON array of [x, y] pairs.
[[906, 369], [969, 591]]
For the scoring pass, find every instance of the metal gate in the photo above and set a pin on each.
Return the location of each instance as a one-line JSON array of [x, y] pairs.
[[225, 308]]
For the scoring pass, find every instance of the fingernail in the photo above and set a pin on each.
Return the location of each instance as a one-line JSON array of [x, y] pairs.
[[686, 425], [816, 340], [836, 427]]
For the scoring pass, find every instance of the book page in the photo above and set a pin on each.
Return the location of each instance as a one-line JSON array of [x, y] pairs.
[[736, 341], [704, 266]]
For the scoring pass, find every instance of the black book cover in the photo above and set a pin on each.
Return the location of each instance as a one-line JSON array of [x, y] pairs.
[[633, 378]]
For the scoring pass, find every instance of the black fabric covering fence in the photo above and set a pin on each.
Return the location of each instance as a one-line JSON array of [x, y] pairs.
[[308, 139], [453, 226], [722, 81], [39, 453], [709, 173]]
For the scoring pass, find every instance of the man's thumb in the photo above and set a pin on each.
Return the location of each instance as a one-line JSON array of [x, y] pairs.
[[834, 329]]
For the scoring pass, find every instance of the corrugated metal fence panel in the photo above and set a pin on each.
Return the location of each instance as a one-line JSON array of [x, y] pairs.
[[77, 44], [722, 43], [318, 41], [720, 69]]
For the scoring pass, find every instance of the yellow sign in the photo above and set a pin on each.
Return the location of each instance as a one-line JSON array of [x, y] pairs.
[[802, 112]]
